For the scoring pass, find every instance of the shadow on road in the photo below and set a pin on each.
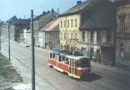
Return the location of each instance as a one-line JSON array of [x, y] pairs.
[[91, 77]]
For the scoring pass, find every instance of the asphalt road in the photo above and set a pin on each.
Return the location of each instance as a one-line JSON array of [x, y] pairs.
[[102, 78]]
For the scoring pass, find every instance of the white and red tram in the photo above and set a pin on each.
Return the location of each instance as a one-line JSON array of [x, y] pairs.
[[74, 66]]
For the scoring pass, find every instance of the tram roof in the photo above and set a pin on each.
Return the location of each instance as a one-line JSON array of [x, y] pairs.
[[57, 51], [76, 57], [61, 52]]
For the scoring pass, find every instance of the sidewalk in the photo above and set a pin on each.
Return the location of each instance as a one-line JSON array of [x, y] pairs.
[[112, 68]]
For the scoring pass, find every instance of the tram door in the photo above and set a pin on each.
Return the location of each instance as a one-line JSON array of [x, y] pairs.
[[72, 66], [57, 59]]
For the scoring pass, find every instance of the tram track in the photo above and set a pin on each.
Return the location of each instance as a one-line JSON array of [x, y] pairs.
[[108, 80]]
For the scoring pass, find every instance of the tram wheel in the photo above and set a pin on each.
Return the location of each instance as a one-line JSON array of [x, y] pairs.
[[50, 66]]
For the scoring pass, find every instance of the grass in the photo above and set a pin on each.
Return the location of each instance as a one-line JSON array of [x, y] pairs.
[[8, 72]]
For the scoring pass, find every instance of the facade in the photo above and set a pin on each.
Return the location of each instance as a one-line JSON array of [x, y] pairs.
[[20, 24], [69, 32], [40, 21], [16, 26], [51, 32], [72, 20], [11, 27], [27, 35], [98, 33], [41, 39], [123, 33]]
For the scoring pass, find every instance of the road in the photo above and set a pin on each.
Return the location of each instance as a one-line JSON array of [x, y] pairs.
[[103, 77]]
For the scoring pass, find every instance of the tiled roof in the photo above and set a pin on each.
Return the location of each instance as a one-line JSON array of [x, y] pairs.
[[103, 18], [46, 18], [78, 8], [52, 26]]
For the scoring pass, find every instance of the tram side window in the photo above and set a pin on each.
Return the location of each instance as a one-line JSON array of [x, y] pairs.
[[67, 61], [60, 58], [63, 59], [52, 55], [83, 63]]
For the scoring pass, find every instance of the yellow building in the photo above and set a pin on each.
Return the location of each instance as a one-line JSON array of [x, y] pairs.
[[70, 23], [69, 32]]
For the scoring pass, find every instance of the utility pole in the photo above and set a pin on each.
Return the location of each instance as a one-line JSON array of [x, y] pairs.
[[33, 52], [0, 34], [9, 41]]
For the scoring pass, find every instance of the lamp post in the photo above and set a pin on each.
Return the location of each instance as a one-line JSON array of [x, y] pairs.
[[0, 34], [9, 41], [33, 52]]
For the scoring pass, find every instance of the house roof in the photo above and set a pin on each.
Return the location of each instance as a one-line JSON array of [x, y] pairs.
[[45, 14], [21, 21], [102, 18], [51, 26], [45, 18], [80, 7], [12, 19]]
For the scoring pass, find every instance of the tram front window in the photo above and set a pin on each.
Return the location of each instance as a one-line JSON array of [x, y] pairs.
[[83, 63]]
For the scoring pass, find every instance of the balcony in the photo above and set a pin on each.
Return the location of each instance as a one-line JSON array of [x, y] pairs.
[[121, 35]]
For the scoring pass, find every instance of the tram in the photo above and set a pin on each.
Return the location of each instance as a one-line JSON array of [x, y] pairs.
[[76, 66]]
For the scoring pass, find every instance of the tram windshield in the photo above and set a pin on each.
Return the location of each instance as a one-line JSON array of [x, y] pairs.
[[85, 62]]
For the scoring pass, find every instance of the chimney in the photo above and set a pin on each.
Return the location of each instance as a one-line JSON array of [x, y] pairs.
[[52, 10], [79, 2], [44, 13], [48, 11]]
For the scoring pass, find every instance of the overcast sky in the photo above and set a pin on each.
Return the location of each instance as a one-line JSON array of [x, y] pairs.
[[21, 8]]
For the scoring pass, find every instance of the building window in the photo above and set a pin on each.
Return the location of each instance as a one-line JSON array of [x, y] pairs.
[[75, 22], [71, 22], [68, 23], [91, 36], [61, 35], [75, 35], [71, 35], [98, 37], [64, 35], [61, 46], [68, 35], [64, 23], [83, 36], [122, 23], [121, 50], [61, 24]]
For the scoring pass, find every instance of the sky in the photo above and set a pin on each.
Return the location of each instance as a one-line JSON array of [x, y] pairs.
[[22, 8]]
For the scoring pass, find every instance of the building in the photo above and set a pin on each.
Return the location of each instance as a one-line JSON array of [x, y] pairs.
[[11, 27], [16, 27], [51, 31], [20, 24], [27, 35], [40, 21], [72, 20], [98, 33], [123, 33]]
